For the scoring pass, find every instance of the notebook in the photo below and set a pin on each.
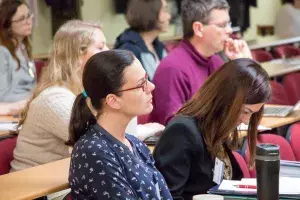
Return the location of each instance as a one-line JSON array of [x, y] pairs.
[[289, 169], [281, 111], [288, 187]]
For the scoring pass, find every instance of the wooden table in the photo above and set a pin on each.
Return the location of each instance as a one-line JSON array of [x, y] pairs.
[[7, 119], [281, 67], [275, 122], [36, 181], [53, 177], [4, 134], [274, 41]]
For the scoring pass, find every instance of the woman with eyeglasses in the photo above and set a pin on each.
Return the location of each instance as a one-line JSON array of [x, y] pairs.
[[17, 69], [107, 163]]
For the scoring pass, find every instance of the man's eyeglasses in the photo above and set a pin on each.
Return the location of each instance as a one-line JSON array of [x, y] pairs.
[[143, 85], [223, 26], [23, 19]]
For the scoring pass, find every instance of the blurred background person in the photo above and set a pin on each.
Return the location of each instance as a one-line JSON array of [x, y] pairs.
[[288, 19], [17, 69], [146, 19]]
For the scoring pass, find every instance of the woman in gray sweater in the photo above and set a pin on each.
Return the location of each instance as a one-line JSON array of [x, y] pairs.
[[17, 70]]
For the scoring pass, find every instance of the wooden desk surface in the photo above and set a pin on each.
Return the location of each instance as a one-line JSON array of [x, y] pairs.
[[274, 122], [4, 133], [273, 41], [35, 182], [8, 119], [52, 177], [280, 67]]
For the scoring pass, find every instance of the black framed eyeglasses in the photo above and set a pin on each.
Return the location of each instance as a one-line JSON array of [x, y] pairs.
[[143, 85]]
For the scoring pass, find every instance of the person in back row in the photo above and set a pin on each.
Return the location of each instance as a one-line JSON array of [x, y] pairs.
[[206, 27], [287, 22], [107, 163], [147, 19], [205, 129], [17, 70]]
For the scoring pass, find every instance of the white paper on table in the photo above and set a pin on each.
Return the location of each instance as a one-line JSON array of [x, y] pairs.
[[230, 185], [8, 126], [244, 127], [287, 185]]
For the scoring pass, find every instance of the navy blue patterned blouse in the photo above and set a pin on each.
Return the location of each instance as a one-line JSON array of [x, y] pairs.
[[102, 167]]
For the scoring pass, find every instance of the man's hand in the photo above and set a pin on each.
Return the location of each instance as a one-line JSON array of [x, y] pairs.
[[237, 49]]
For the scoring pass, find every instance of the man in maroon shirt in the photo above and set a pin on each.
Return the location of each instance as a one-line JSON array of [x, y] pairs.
[[206, 29]]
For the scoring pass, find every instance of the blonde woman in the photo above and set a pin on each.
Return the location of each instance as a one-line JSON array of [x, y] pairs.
[[44, 122]]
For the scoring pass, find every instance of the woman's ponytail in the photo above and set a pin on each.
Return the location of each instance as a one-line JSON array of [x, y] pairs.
[[81, 119]]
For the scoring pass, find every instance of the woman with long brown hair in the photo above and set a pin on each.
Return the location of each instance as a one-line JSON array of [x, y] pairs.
[[205, 128], [17, 70]]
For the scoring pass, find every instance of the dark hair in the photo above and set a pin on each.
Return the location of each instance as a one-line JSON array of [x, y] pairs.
[[102, 75], [198, 10], [218, 103], [143, 15], [7, 10]]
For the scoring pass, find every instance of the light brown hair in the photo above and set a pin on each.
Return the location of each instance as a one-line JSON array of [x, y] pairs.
[[69, 43], [218, 103]]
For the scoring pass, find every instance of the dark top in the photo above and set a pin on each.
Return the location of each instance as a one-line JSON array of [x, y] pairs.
[[182, 157], [104, 168], [132, 41]]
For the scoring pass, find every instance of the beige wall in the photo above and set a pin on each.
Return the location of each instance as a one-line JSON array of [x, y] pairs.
[[41, 37], [92, 10], [103, 11], [263, 14]]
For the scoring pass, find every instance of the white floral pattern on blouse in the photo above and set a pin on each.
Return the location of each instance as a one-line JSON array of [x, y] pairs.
[[104, 168]]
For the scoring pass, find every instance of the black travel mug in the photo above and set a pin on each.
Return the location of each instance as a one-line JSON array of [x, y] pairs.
[[267, 171]]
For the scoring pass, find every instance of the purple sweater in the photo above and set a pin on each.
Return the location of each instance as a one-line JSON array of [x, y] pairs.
[[177, 79]]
